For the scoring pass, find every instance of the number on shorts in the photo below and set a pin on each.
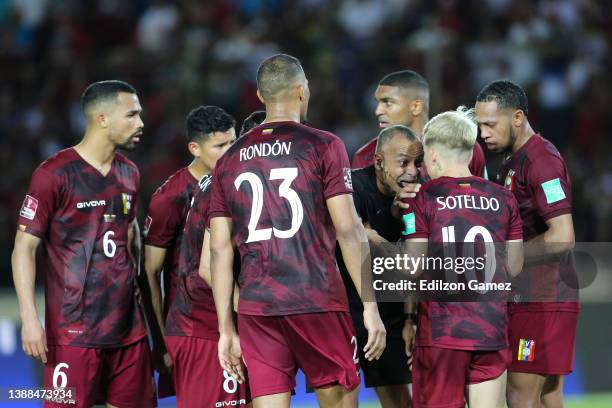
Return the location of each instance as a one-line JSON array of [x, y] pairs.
[[230, 385], [355, 357], [58, 373]]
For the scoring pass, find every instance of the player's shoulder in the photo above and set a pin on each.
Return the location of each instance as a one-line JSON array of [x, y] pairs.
[[176, 183], [58, 161], [539, 149], [124, 161]]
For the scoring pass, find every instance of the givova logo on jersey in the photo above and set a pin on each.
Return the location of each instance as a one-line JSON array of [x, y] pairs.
[[233, 403], [127, 202]]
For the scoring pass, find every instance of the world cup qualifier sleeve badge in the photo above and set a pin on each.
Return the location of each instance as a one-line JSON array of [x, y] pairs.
[[526, 350]]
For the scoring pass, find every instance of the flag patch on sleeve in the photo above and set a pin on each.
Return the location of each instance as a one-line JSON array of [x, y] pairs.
[[526, 350], [29, 207], [409, 224], [553, 191]]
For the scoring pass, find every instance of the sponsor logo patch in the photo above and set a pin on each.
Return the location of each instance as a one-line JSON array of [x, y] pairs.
[[29, 207], [348, 178], [89, 204], [553, 191], [526, 350], [409, 224]]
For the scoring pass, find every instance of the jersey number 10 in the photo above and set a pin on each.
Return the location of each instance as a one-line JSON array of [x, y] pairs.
[[287, 175]]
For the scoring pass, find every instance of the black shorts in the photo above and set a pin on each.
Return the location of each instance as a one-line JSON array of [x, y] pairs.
[[390, 369]]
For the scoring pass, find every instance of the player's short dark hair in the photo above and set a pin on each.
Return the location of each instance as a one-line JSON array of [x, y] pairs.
[[206, 120], [507, 94], [254, 119], [406, 79], [388, 133], [104, 91], [277, 73]]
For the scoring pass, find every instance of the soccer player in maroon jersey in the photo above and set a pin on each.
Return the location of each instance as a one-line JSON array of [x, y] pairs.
[[460, 349], [81, 205], [542, 334], [210, 132], [402, 98], [282, 194]]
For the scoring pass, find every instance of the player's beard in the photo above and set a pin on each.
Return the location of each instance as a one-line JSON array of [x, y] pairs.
[[130, 144]]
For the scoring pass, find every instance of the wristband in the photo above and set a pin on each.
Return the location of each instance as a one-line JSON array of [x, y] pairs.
[[410, 316]]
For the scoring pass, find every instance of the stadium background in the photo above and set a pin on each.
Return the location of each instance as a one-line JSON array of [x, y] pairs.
[[185, 53]]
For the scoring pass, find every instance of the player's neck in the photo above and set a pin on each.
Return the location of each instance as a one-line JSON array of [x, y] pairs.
[[280, 112], [198, 169], [455, 171], [522, 138], [97, 151], [417, 127]]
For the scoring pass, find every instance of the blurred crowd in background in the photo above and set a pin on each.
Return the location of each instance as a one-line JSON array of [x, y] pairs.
[[184, 53]]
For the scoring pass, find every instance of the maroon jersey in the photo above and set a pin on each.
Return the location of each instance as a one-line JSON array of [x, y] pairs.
[[461, 207], [537, 176], [364, 157], [273, 183], [82, 218], [165, 221], [192, 311]]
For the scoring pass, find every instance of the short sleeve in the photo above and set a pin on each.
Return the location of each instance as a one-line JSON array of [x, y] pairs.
[[359, 197], [414, 219], [218, 204], [39, 203], [516, 224], [163, 219], [336, 170], [549, 184]]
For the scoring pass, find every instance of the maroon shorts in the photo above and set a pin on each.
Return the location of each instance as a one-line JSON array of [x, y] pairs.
[[121, 376], [439, 376], [322, 345], [542, 342], [199, 380]]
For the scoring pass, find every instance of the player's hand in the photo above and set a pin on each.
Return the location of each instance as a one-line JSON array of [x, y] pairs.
[[162, 361], [408, 191], [230, 356], [377, 335], [408, 336], [34, 340]]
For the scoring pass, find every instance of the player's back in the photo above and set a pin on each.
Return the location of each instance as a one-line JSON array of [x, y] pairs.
[[465, 211], [274, 183]]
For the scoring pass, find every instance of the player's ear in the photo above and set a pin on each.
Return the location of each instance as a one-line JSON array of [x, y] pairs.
[[518, 118], [378, 161], [102, 120], [416, 107], [261, 99], [194, 149], [301, 92]]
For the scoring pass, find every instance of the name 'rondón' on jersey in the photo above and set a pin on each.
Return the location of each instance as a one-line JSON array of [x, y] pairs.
[[273, 183]]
